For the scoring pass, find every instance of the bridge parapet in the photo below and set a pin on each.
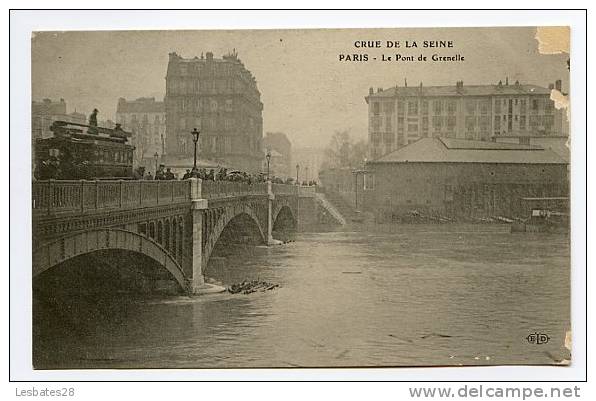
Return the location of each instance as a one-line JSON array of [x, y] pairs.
[[79, 196], [284, 189], [306, 191], [212, 190]]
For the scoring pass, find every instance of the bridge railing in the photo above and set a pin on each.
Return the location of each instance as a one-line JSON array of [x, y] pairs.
[[228, 189], [284, 189], [80, 195], [307, 191], [76, 196]]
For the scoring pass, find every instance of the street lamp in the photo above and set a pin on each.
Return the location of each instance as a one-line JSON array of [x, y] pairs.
[[297, 170], [268, 157], [195, 138], [156, 155]]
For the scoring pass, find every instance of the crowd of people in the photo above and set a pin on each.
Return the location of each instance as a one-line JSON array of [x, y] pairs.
[[221, 174]]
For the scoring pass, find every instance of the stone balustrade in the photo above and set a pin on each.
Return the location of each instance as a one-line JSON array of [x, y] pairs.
[[80, 196]]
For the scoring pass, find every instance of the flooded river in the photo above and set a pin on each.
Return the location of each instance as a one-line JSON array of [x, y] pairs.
[[398, 295]]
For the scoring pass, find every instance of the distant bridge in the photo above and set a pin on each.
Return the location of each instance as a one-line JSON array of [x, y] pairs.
[[175, 223]]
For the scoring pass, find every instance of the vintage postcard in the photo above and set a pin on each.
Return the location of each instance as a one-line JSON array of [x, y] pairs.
[[300, 198]]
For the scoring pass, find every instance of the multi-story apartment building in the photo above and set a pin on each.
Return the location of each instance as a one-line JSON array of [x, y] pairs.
[[401, 115], [220, 97], [45, 112], [145, 118]]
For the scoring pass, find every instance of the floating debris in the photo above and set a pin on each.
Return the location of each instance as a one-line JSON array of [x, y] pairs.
[[248, 287]]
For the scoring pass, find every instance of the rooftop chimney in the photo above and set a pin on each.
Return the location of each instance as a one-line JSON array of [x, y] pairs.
[[379, 90], [551, 86], [558, 84], [371, 90], [406, 82], [507, 81], [209, 56]]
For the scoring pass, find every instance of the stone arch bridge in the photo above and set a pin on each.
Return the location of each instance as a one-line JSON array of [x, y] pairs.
[[175, 223]]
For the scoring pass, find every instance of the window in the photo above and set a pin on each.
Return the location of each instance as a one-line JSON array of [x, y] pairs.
[[522, 106], [388, 107], [400, 123], [400, 107], [452, 107], [229, 105], [451, 122], [497, 123], [376, 108], [213, 105], [484, 123], [413, 107], [425, 107], [484, 106], [549, 106], [549, 122], [470, 107], [369, 181], [535, 104], [524, 140], [437, 123], [412, 127], [497, 106], [375, 123], [437, 107], [522, 123], [470, 123]]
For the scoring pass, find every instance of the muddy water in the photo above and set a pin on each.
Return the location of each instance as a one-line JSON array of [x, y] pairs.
[[393, 296]]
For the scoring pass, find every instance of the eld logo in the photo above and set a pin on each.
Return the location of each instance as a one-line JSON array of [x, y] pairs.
[[538, 338]]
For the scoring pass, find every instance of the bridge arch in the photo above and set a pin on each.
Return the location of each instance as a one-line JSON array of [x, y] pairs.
[[53, 253], [224, 219], [283, 210]]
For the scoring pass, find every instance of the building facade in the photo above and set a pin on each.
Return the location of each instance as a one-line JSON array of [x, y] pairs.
[[460, 178], [220, 98], [282, 157], [146, 119], [398, 116], [45, 112]]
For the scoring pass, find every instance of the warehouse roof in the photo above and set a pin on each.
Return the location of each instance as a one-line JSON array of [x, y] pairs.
[[451, 150]]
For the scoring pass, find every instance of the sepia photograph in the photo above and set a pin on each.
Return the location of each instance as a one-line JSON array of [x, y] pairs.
[[300, 198]]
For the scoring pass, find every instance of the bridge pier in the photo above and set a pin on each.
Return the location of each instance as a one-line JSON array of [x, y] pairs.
[[196, 282], [270, 198]]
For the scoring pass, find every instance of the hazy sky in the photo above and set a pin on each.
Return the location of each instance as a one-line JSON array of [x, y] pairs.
[[306, 91]]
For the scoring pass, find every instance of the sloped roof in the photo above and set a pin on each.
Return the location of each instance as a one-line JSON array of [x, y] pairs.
[[450, 150], [466, 90]]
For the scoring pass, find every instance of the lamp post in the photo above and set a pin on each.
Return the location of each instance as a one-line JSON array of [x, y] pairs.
[[297, 171], [195, 138], [268, 157], [156, 155], [307, 175]]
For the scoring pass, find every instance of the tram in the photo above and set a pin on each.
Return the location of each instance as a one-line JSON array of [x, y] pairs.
[[79, 151]]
